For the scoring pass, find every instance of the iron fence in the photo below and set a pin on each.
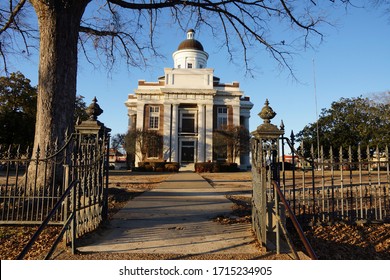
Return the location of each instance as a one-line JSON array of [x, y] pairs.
[[58, 184], [24, 198], [344, 186], [350, 185], [30, 185]]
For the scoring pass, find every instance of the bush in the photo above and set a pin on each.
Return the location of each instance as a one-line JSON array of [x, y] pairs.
[[202, 167], [214, 167], [172, 167], [227, 167], [217, 167], [157, 166], [148, 168], [142, 166]]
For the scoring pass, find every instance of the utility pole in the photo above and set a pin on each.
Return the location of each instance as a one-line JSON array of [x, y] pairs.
[[315, 99]]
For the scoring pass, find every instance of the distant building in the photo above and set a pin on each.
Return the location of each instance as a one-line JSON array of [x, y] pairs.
[[185, 106], [380, 160], [117, 160], [290, 159]]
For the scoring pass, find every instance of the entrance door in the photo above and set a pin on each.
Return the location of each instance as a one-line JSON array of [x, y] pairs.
[[187, 151]]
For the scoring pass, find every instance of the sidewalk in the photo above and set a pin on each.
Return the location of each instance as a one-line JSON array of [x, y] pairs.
[[176, 218]]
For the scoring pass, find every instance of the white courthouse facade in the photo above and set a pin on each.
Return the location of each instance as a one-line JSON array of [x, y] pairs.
[[185, 106]]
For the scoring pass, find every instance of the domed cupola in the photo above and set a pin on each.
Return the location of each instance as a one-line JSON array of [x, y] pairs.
[[190, 43], [190, 53]]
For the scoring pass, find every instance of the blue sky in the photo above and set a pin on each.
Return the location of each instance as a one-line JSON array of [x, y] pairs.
[[353, 60]]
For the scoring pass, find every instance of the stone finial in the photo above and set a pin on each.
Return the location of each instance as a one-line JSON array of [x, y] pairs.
[[94, 110], [267, 130], [267, 113]]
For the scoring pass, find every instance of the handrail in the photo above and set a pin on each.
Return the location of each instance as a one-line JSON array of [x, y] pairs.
[[46, 221], [295, 222]]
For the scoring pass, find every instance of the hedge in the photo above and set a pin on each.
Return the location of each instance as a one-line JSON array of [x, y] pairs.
[[213, 167], [200, 167], [157, 166]]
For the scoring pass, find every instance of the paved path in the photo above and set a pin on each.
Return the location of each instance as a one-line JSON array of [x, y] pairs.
[[176, 218]]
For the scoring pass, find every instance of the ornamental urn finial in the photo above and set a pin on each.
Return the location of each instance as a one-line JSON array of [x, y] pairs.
[[94, 110], [267, 113]]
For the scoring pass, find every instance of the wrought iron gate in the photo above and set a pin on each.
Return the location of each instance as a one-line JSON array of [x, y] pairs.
[[83, 158], [331, 187]]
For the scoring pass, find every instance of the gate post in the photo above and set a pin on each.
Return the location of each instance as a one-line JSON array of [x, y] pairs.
[[93, 152], [265, 169]]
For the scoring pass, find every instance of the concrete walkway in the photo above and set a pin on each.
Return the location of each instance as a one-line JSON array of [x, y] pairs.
[[176, 218]]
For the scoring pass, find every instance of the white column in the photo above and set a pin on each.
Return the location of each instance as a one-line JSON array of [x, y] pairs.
[[245, 159], [175, 132], [140, 115], [209, 132], [167, 132], [140, 125], [131, 113], [236, 121], [236, 115], [201, 133]]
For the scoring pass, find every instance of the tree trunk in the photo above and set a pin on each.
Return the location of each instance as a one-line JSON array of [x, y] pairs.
[[59, 23]]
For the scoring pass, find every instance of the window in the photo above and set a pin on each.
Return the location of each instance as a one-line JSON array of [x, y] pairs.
[[222, 117], [188, 123], [189, 65], [154, 115], [154, 147]]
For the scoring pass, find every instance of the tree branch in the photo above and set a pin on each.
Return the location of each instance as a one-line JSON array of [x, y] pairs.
[[11, 26], [243, 22], [244, 17], [12, 15], [122, 37]]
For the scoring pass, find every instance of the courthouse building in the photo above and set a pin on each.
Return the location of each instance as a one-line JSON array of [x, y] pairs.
[[185, 106]]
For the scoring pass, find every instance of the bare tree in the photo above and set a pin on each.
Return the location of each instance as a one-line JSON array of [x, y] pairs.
[[117, 141], [127, 29], [142, 143], [231, 140]]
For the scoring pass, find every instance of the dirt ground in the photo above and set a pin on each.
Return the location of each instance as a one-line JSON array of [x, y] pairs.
[[330, 242], [123, 186], [336, 242]]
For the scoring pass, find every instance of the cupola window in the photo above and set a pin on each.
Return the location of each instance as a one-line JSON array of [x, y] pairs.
[[190, 34]]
